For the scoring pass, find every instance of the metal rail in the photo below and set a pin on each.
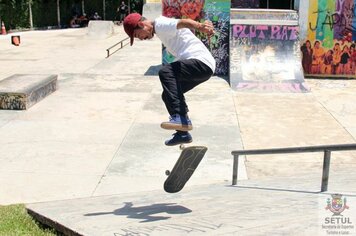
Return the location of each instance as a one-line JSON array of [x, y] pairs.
[[121, 43], [327, 149]]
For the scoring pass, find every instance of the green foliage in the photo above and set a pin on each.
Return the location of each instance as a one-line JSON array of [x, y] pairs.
[[44, 13], [15, 13], [136, 6], [14, 220]]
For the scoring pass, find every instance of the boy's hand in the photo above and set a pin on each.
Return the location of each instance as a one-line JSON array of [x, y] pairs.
[[207, 28]]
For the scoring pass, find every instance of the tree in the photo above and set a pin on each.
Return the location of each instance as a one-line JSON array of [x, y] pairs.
[[30, 13], [83, 11]]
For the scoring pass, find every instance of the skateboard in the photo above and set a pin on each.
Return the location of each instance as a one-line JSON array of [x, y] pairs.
[[184, 168]]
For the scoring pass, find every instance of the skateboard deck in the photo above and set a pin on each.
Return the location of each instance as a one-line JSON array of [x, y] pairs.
[[184, 168]]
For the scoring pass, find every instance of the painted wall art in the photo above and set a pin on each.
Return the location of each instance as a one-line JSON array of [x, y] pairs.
[[218, 12], [266, 58], [329, 49]]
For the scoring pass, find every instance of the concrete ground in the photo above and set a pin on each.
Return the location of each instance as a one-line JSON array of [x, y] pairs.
[[96, 143], [273, 206]]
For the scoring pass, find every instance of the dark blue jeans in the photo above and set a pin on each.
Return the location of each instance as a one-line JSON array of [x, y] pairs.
[[178, 78]]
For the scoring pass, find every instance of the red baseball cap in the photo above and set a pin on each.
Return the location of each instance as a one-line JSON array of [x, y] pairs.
[[130, 24]]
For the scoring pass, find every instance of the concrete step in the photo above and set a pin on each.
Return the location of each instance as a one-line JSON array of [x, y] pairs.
[[21, 91]]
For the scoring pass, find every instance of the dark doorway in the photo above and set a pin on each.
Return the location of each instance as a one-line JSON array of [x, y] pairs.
[[277, 4]]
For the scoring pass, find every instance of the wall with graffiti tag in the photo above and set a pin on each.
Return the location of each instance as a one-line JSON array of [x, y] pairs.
[[266, 58], [329, 49]]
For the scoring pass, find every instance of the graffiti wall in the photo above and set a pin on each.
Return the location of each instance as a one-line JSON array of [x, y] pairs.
[[329, 49], [218, 12], [265, 58]]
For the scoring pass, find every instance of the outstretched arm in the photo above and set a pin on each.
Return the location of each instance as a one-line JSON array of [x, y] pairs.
[[206, 27]]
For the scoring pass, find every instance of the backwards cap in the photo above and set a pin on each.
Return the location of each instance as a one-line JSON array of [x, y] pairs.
[[130, 24]]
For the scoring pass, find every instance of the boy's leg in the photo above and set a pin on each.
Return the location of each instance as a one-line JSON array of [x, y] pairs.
[[166, 102], [179, 77], [122, 17], [176, 79]]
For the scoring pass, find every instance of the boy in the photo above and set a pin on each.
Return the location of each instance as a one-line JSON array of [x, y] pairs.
[[194, 64]]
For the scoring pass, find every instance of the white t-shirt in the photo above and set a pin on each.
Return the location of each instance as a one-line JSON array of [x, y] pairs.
[[182, 43]]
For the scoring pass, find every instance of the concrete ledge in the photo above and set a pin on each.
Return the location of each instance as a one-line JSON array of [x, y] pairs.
[[100, 29], [20, 91], [152, 10], [53, 224]]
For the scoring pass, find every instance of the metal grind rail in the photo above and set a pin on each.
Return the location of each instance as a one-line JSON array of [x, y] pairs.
[[120, 44], [327, 149]]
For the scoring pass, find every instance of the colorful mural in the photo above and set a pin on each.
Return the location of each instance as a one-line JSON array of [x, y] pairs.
[[266, 58], [329, 49], [218, 12]]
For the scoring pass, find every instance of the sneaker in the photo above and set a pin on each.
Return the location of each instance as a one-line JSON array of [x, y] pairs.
[[179, 138], [178, 122]]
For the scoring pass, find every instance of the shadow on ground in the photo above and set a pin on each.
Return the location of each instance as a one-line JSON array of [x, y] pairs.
[[146, 213], [153, 70]]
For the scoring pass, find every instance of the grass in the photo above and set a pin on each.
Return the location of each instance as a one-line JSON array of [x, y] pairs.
[[14, 220]]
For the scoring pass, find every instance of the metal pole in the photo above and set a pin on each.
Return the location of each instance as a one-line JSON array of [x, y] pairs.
[[235, 169], [83, 8], [104, 10], [58, 14], [326, 168]]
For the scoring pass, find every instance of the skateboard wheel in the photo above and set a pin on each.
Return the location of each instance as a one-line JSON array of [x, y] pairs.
[[168, 172], [181, 147]]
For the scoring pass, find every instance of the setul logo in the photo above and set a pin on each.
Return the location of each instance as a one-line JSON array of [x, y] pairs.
[[337, 224], [337, 204]]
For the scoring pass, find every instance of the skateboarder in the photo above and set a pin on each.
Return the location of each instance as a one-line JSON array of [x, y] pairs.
[[194, 64]]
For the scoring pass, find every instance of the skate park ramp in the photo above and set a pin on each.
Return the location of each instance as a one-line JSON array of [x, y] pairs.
[[103, 122], [152, 9], [264, 51], [100, 29], [93, 151]]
